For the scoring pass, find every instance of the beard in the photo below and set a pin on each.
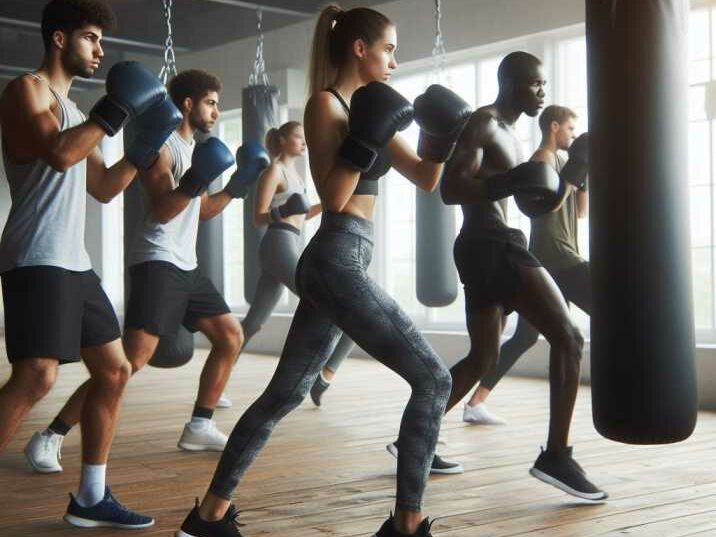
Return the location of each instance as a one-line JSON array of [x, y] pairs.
[[198, 124], [75, 64]]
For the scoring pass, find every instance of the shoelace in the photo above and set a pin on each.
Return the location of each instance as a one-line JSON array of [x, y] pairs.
[[233, 514]]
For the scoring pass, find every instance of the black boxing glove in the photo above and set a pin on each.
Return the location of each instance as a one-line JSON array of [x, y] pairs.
[[577, 167], [441, 114], [377, 112]]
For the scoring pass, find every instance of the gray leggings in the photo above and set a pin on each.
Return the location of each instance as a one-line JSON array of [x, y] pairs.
[[576, 286], [278, 255], [336, 291]]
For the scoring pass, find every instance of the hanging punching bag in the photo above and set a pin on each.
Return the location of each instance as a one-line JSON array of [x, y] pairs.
[[259, 112], [436, 276], [642, 335], [171, 351]]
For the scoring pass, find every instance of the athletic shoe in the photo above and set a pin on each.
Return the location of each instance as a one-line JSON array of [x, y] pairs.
[[224, 402], [480, 415], [320, 386], [560, 470], [388, 529], [108, 512], [44, 452], [202, 436], [194, 526], [438, 466]]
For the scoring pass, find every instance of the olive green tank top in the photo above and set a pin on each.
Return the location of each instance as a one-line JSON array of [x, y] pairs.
[[553, 236]]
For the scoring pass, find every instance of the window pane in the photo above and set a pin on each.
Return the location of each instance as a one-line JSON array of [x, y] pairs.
[[703, 288], [700, 203], [699, 154]]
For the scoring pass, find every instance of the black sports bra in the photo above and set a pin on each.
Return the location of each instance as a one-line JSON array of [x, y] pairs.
[[368, 181]]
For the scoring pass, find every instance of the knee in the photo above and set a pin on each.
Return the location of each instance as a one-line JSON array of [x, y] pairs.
[[36, 380], [231, 339], [443, 382], [479, 363], [571, 341], [114, 376], [279, 402]]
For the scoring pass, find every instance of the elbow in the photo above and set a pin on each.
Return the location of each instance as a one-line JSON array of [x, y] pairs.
[[59, 162]]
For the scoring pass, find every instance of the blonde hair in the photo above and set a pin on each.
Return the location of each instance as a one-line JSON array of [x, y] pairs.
[[273, 137], [336, 31]]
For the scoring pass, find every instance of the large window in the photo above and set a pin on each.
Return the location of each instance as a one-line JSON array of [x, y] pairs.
[[473, 75]]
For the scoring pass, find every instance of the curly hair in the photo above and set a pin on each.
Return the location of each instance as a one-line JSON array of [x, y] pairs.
[[192, 83], [69, 15]]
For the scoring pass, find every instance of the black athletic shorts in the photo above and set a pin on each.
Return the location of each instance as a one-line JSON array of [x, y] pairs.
[[51, 312], [162, 297], [488, 262]]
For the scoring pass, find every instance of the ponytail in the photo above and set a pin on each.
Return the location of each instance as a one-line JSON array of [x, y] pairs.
[[336, 31], [272, 141]]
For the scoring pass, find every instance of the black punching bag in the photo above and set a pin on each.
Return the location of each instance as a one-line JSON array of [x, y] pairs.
[[436, 276], [259, 112], [172, 351], [642, 346]]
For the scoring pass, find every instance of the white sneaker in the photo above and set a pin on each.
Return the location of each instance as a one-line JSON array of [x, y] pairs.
[[480, 415], [224, 402], [44, 452], [202, 436]]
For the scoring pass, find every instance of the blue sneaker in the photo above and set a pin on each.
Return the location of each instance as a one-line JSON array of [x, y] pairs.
[[107, 513]]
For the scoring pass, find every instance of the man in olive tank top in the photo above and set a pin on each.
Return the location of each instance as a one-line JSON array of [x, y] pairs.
[[553, 240]]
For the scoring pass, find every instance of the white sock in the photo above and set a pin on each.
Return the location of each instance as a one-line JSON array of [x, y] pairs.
[[199, 422], [92, 484]]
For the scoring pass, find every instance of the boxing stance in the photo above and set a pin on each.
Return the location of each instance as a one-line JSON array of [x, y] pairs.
[[553, 240], [281, 204], [499, 274], [55, 309], [166, 287], [350, 148]]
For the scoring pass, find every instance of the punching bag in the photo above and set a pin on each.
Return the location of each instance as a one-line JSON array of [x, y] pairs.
[[436, 276], [171, 351], [259, 112], [642, 334]]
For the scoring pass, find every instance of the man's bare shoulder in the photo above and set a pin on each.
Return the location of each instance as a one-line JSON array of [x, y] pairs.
[[24, 92], [482, 124]]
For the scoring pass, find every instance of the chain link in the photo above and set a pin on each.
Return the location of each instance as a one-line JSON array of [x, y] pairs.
[[169, 69], [439, 72], [258, 76]]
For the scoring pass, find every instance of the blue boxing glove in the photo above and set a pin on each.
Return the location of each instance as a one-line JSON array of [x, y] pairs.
[[131, 89], [209, 160], [153, 128], [251, 160]]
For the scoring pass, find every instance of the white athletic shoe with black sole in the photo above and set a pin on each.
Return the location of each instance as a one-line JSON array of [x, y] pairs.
[[438, 466], [560, 470]]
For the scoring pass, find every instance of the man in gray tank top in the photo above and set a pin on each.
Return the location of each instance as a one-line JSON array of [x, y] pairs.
[[167, 289], [56, 310], [553, 240]]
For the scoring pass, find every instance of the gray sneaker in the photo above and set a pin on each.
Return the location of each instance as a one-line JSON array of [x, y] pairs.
[[202, 436]]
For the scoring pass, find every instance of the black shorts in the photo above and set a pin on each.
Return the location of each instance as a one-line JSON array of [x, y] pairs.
[[51, 312], [162, 297], [488, 263]]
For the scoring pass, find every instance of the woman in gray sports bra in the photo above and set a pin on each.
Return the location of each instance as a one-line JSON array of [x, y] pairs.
[[281, 246]]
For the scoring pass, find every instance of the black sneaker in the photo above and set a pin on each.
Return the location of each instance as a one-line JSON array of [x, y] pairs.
[[388, 529], [559, 469], [107, 513], [195, 526], [318, 388], [438, 466]]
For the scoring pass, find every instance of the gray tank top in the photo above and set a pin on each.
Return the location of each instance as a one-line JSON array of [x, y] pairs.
[[295, 185], [175, 241], [46, 223]]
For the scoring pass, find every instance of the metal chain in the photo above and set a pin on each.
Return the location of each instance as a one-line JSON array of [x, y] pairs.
[[169, 69], [439, 55], [258, 77]]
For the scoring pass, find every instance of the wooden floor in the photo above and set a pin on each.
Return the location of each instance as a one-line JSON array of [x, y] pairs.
[[325, 472]]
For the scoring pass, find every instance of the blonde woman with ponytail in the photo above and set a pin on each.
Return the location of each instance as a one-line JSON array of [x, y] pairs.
[[351, 147], [282, 205]]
